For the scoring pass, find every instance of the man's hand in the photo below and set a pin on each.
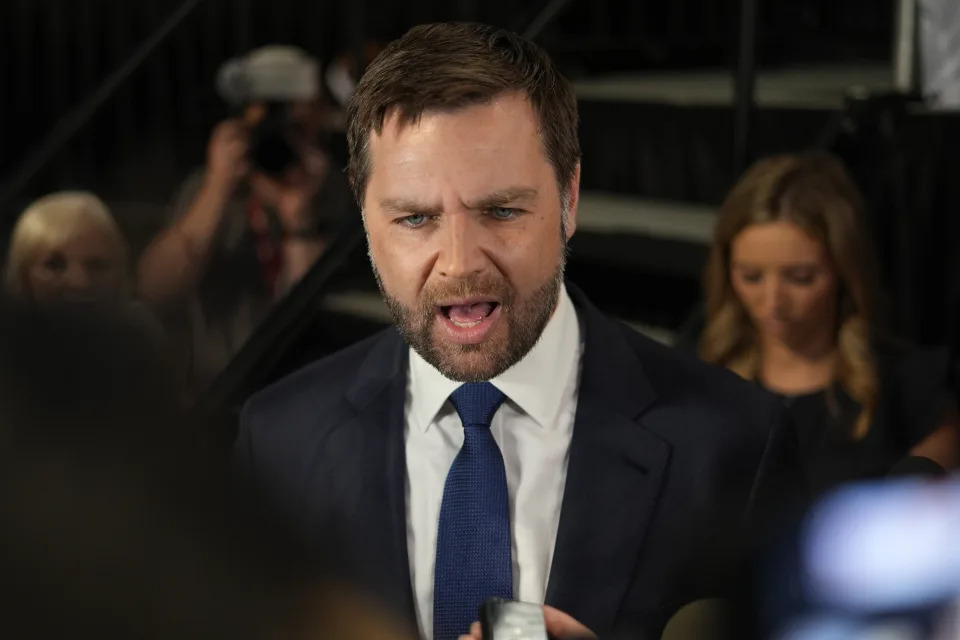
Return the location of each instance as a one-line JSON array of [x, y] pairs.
[[559, 625]]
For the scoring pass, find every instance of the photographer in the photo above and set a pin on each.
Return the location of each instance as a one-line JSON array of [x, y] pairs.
[[250, 225]]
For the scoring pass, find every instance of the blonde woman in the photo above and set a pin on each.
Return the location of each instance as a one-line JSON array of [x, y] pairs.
[[66, 247], [790, 304]]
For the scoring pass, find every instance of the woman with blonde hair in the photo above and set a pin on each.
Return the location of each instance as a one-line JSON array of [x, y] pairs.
[[66, 247], [791, 305]]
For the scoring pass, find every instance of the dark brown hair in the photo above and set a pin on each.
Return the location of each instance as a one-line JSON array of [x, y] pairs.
[[449, 66], [815, 191]]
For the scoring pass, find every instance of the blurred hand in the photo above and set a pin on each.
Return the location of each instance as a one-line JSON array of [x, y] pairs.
[[559, 625], [227, 162]]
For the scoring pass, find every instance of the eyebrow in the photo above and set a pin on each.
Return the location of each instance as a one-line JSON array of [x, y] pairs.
[[396, 206], [499, 198]]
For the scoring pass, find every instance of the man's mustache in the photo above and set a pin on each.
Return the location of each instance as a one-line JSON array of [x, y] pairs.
[[487, 287]]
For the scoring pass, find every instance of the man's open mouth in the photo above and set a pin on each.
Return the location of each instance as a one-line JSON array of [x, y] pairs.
[[469, 314]]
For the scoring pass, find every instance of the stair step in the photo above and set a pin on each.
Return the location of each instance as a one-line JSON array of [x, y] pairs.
[[661, 335], [814, 87], [367, 305], [654, 236], [608, 213]]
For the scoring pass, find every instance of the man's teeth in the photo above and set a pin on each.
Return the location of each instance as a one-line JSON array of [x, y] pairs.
[[466, 325]]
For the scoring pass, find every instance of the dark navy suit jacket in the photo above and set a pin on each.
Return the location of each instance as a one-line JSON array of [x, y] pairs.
[[671, 462]]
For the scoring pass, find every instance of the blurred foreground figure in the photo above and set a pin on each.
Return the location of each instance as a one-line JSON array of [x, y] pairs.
[[872, 560], [252, 223], [116, 522], [791, 305]]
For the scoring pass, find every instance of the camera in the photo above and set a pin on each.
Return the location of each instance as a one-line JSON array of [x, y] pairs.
[[272, 136], [261, 88]]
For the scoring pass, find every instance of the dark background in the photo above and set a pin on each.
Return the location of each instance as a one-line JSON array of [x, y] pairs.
[[153, 131]]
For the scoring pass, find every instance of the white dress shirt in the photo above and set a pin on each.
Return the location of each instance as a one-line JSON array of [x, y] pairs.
[[533, 429]]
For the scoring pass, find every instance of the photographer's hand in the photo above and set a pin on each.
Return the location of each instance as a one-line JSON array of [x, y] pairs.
[[227, 151]]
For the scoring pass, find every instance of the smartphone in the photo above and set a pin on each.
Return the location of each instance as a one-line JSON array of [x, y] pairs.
[[511, 620]]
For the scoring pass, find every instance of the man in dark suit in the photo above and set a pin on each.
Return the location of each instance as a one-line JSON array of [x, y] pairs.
[[510, 440]]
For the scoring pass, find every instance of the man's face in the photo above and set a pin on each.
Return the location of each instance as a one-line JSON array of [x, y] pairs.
[[465, 230]]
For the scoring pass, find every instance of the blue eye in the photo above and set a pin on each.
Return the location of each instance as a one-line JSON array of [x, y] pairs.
[[503, 213], [416, 220]]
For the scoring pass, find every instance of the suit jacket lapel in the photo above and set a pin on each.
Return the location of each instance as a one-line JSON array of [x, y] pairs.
[[378, 398], [614, 477]]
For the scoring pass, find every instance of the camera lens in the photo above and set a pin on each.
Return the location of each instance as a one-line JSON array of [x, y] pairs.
[[271, 149]]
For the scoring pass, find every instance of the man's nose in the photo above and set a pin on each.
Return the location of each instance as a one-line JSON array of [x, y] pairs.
[[461, 254]]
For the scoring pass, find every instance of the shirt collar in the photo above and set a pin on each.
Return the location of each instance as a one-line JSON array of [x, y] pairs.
[[536, 384]]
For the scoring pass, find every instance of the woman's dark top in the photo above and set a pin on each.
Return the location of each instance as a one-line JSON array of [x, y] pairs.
[[912, 400], [910, 405]]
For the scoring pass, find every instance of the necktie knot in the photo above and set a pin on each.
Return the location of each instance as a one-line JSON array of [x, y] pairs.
[[476, 403]]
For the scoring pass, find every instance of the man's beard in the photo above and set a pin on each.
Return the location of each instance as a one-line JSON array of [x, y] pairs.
[[525, 319]]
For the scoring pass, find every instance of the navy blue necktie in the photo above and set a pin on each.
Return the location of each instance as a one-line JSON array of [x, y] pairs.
[[473, 538]]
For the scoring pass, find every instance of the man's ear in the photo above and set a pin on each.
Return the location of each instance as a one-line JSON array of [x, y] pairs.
[[574, 202]]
